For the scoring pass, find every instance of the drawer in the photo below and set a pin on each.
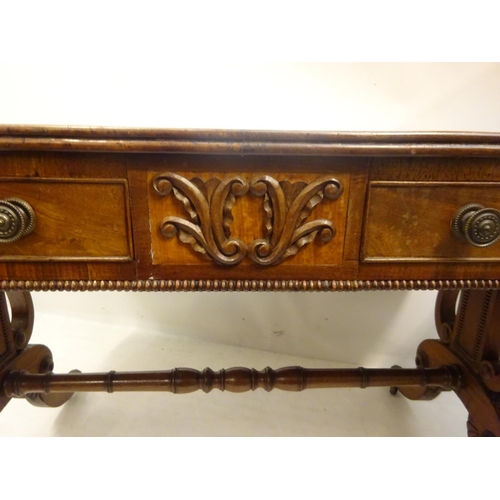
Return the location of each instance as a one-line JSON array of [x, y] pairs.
[[411, 221], [248, 220], [79, 219]]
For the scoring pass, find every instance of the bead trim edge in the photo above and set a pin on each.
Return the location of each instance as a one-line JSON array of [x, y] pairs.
[[244, 285]]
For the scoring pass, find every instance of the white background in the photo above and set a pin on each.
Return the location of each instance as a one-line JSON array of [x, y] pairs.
[[109, 63], [103, 331]]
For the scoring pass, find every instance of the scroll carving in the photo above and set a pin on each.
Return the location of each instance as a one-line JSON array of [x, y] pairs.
[[287, 207], [209, 205]]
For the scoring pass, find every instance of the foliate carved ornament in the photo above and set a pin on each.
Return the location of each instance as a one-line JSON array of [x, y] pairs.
[[209, 207], [287, 207], [209, 203]]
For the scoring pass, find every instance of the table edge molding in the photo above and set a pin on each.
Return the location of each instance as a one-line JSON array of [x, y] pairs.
[[244, 285], [247, 142]]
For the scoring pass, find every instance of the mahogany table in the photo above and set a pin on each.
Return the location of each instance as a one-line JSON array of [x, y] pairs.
[[192, 210]]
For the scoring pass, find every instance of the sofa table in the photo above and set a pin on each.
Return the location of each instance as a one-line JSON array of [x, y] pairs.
[[193, 210]]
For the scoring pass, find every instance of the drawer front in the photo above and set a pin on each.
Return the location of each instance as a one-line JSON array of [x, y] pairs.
[[248, 220], [80, 219], [411, 222]]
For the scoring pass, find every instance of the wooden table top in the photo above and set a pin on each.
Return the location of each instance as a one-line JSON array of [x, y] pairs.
[[249, 210]]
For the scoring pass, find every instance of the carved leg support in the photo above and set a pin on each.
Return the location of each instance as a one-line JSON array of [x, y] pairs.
[[465, 360], [26, 371], [186, 380], [16, 354], [470, 340]]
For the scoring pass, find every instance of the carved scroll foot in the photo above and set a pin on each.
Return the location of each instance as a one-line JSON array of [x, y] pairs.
[[15, 353], [33, 360], [423, 393], [50, 400], [468, 325]]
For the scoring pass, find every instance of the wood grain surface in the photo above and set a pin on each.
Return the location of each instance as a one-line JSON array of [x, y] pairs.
[[249, 219], [410, 221], [389, 225], [79, 220]]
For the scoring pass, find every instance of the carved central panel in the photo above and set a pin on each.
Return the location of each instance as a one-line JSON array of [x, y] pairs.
[[287, 208]]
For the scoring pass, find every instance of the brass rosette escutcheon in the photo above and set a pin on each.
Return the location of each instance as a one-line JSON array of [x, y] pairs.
[[17, 219], [476, 224]]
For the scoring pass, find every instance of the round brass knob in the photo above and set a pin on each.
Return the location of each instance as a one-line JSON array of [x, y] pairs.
[[17, 219], [476, 224]]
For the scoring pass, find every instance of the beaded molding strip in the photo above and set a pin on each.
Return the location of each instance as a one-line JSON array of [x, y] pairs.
[[245, 285]]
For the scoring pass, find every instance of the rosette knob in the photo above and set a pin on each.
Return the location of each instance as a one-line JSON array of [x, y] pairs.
[[17, 219], [476, 224]]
